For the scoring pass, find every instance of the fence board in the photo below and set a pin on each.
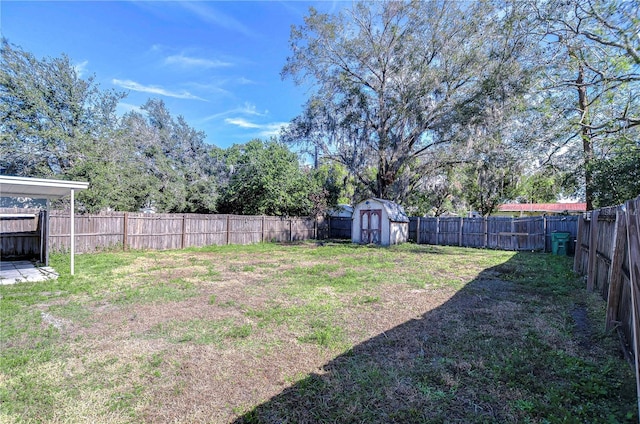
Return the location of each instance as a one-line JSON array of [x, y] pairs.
[[593, 239], [340, 227], [322, 228], [14, 224], [448, 232], [117, 230], [608, 252], [303, 229], [413, 229], [19, 245], [205, 230], [633, 242], [277, 229], [429, 230], [528, 233], [19, 233], [473, 232]]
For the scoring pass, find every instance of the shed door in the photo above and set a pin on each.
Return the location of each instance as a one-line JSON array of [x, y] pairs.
[[370, 225]]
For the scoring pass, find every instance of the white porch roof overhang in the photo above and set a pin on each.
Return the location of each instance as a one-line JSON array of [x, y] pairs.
[[40, 188]]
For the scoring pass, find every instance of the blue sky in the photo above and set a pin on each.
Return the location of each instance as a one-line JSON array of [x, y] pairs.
[[217, 63]]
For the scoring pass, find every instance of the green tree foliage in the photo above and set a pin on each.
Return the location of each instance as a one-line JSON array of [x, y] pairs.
[[266, 179], [437, 194], [616, 178], [398, 79], [56, 124], [116, 180], [180, 164], [491, 180], [48, 114], [336, 182], [540, 187], [590, 79]]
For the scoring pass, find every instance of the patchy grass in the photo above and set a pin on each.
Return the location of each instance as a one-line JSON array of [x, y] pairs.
[[306, 333]]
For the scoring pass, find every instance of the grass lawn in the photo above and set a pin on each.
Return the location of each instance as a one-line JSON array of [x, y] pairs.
[[311, 333]]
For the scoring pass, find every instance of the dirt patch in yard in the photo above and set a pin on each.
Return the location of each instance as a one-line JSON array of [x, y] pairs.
[[214, 381], [313, 333], [582, 325]]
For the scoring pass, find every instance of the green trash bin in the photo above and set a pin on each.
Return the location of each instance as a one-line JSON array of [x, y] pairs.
[[560, 243]]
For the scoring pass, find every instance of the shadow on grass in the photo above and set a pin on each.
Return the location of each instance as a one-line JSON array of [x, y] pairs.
[[505, 348]]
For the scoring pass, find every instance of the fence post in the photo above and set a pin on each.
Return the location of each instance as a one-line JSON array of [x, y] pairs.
[[418, 231], [544, 233], [47, 242], [437, 230], [40, 229], [262, 230], [290, 229], [125, 230], [577, 258], [228, 228], [615, 271], [593, 247], [184, 230], [486, 232], [633, 247], [460, 234]]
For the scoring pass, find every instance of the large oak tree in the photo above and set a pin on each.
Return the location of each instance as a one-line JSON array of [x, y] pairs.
[[396, 81]]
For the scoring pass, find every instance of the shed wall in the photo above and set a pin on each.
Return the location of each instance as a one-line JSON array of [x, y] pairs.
[[355, 229], [399, 232], [391, 232]]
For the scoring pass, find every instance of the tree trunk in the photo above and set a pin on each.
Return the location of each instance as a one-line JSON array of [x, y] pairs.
[[585, 134]]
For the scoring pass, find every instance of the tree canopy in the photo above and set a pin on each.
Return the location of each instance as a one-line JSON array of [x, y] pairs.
[[266, 179], [405, 90], [56, 124], [438, 105], [398, 80]]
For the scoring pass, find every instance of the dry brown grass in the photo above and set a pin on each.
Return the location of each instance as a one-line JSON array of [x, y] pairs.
[[253, 335]]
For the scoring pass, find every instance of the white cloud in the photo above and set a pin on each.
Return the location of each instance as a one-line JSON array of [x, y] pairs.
[[265, 130], [245, 81], [154, 89], [212, 88], [81, 68], [240, 122], [195, 62], [212, 16], [250, 109], [272, 129], [246, 109]]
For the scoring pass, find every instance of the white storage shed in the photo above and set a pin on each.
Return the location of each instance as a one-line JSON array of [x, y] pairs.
[[379, 221]]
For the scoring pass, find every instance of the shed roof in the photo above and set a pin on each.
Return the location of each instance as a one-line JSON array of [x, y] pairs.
[[38, 188], [341, 211], [395, 212]]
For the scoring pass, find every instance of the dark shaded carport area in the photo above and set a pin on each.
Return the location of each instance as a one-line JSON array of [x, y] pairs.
[[24, 248]]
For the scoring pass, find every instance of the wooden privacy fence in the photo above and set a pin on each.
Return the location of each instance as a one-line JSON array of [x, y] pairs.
[[22, 234], [608, 252], [339, 227], [530, 233], [170, 231]]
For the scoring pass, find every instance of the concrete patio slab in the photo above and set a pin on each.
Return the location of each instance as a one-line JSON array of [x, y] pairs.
[[12, 272]]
